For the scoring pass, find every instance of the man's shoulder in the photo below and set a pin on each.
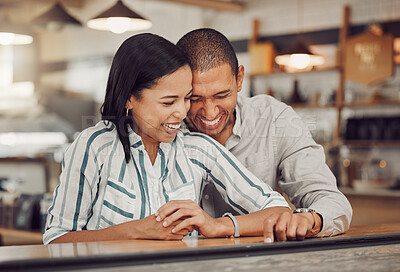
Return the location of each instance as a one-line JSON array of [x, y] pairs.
[[260, 105]]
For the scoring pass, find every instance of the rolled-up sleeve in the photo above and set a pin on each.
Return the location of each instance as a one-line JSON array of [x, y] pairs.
[[306, 178]]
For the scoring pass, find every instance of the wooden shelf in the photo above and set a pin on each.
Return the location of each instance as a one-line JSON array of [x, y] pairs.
[[366, 143], [383, 103], [311, 106], [348, 191], [328, 69], [347, 105]]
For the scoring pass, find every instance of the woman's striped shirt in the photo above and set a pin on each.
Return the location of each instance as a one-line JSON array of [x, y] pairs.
[[98, 189]]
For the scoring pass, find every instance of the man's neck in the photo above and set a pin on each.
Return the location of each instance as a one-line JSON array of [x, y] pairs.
[[223, 136], [227, 132]]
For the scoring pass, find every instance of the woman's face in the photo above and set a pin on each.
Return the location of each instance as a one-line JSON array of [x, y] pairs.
[[161, 109]]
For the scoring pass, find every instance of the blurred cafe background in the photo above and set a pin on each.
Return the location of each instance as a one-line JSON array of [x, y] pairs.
[[336, 62]]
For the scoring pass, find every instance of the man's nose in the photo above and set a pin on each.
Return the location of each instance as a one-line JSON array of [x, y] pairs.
[[210, 109]]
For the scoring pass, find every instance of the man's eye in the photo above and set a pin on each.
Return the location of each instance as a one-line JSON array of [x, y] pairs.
[[168, 103], [221, 96], [188, 98], [194, 99]]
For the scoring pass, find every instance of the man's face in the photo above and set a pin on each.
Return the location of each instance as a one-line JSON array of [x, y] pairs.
[[213, 101]]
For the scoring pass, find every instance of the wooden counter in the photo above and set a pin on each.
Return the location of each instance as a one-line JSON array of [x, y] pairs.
[[139, 252], [18, 237]]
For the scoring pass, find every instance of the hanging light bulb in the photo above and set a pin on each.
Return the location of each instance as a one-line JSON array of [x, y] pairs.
[[118, 19], [299, 61], [118, 24]]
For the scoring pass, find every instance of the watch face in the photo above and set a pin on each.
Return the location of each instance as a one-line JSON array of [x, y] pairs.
[[303, 210]]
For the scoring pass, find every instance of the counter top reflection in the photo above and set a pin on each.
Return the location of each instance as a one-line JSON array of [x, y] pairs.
[[153, 251]]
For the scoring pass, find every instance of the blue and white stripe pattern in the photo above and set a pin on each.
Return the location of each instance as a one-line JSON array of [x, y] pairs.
[[98, 189]]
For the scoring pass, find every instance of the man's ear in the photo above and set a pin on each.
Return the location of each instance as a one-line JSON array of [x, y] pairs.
[[240, 76]]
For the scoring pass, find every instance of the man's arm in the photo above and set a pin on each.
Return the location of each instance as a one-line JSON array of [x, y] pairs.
[[307, 180]]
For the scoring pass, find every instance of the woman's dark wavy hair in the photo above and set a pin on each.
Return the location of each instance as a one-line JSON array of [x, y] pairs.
[[139, 62]]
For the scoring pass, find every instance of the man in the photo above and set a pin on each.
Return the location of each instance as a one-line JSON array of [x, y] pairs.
[[267, 136]]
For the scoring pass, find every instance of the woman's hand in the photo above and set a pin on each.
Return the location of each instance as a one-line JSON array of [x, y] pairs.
[[149, 228], [186, 214]]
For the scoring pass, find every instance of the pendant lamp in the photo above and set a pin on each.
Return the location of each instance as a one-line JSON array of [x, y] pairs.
[[55, 18], [118, 19], [14, 33], [299, 56]]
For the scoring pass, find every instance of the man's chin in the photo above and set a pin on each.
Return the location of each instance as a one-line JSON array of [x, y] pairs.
[[210, 132]]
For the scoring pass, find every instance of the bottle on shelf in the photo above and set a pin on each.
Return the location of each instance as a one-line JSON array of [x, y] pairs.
[[296, 98]]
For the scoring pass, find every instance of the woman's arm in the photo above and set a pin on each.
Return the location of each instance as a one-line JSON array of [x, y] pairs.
[[147, 228], [78, 191]]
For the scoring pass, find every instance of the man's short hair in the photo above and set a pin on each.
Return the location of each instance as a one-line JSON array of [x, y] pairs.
[[207, 48]]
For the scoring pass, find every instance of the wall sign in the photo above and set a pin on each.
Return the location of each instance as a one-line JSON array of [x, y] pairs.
[[369, 58]]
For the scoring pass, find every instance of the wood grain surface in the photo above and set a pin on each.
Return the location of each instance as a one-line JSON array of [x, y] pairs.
[[195, 245]]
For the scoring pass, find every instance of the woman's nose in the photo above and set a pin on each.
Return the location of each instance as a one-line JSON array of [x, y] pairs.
[[180, 111]]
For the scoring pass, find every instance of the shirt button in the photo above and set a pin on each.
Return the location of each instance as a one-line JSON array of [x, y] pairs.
[[206, 197]]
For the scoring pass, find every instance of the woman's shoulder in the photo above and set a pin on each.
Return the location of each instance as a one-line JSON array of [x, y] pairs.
[[97, 135], [197, 140]]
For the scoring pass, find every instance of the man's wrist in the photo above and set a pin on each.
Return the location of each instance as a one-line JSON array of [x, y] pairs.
[[314, 218], [316, 228]]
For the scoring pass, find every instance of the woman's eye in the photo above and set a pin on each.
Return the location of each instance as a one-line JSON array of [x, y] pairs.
[[188, 98], [168, 103]]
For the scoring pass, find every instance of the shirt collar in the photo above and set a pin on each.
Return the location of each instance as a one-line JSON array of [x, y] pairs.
[[137, 143], [238, 121], [135, 140]]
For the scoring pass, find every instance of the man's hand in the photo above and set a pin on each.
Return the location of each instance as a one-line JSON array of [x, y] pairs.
[[186, 214], [287, 225], [149, 228]]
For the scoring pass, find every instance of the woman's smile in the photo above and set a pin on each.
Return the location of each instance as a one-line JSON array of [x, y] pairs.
[[171, 128]]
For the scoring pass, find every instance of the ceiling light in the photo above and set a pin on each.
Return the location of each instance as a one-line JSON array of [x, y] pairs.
[[299, 57], [14, 34], [55, 18], [118, 19]]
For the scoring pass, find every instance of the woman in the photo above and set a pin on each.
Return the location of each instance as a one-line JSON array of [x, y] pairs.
[[135, 175]]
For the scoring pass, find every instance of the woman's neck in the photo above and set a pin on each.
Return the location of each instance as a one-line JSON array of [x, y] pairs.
[[150, 144], [151, 148]]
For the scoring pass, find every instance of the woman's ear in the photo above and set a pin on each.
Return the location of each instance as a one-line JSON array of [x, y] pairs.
[[128, 104]]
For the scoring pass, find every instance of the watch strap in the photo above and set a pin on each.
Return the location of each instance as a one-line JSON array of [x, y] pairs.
[[235, 224]]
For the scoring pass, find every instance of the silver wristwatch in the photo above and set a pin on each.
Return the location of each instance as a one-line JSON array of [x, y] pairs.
[[303, 210]]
